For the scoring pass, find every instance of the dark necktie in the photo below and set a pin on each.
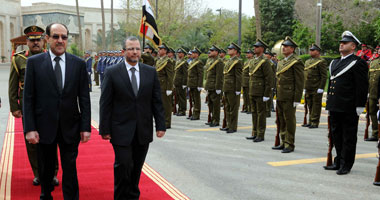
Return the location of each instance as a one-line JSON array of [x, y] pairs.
[[134, 81], [58, 73]]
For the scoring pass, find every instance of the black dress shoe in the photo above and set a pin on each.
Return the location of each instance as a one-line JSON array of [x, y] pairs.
[[180, 114], [188, 117], [313, 126], [279, 147], [376, 183], [231, 131], [331, 167], [223, 129], [286, 150], [55, 181], [250, 138], [214, 125], [193, 118], [258, 139], [371, 139], [306, 125], [36, 181], [343, 171], [243, 111], [208, 123], [248, 113]]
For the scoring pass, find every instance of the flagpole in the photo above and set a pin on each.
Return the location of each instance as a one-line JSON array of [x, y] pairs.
[[143, 28]]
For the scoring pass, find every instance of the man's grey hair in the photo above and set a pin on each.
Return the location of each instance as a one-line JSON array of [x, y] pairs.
[[132, 38]]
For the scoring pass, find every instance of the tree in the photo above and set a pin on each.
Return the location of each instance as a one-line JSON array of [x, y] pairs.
[[103, 26], [79, 27], [332, 29], [257, 18], [302, 35]]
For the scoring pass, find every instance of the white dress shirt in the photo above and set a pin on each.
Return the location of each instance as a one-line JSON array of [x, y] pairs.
[[344, 57], [137, 72], [62, 63]]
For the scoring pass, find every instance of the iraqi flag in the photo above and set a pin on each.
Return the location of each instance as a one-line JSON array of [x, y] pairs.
[[148, 25]]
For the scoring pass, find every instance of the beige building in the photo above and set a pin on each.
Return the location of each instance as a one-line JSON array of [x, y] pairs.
[[14, 18]]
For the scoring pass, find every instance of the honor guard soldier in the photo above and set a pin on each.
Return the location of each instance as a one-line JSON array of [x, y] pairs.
[[95, 68], [88, 60], [222, 55], [231, 87], [171, 54], [101, 66], [214, 84], [195, 82], [269, 55], [290, 81], [245, 82], [346, 99], [165, 71], [180, 81], [260, 88], [35, 42], [146, 56], [374, 75], [315, 81]]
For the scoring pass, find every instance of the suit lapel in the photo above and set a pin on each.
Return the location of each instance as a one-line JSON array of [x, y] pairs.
[[49, 70], [125, 77], [68, 70], [340, 65]]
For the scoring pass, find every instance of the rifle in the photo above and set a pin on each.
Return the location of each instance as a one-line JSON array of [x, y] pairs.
[[367, 120], [191, 105], [331, 144], [175, 101], [224, 113], [277, 138], [306, 112], [377, 176], [209, 118]]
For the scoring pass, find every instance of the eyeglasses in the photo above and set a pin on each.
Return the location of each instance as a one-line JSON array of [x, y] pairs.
[[133, 49], [56, 37]]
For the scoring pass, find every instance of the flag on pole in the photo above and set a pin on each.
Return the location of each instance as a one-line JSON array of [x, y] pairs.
[[148, 25]]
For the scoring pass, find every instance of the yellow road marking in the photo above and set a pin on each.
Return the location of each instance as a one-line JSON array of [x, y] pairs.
[[239, 128], [314, 160]]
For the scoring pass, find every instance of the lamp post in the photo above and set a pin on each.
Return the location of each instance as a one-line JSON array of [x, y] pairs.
[[156, 9], [319, 23]]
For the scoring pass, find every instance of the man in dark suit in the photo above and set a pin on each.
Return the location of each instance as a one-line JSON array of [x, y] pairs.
[[346, 99], [130, 99], [57, 110]]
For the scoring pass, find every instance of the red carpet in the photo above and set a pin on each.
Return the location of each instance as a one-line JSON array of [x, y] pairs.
[[95, 171]]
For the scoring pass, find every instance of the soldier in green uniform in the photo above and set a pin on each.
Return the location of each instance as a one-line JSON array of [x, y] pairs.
[[232, 87], [260, 88], [315, 81], [245, 83], [214, 84], [146, 56], [222, 55], [195, 82], [373, 75], [269, 55], [35, 42], [95, 68], [165, 71], [290, 81], [180, 81], [171, 54]]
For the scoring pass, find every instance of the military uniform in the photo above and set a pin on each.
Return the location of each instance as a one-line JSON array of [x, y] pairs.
[[245, 85], [165, 71], [88, 61], [290, 81], [231, 88], [315, 81], [214, 84], [148, 59], [96, 73], [195, 83], [374, 76], [180, 81]]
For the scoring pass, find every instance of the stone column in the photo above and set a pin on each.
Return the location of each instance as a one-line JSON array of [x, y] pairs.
[[7, 37]]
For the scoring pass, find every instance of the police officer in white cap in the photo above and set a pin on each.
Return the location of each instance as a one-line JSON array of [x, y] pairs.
[[346, 99]]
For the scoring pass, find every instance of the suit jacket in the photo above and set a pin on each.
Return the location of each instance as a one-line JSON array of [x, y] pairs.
[[122, 114], [46, 109], [349, 90]]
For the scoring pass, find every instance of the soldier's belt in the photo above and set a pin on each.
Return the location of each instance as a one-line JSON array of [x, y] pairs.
[[162, 66], [193, 65], [180, 64], [257, 67], [311, 66], [287, 67], [232, 66], [213, 65]]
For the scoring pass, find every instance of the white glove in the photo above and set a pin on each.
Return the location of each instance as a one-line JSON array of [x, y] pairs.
[[237, 93], [319, 91], [274, 104], [199, 89], [304, 91], [218, 91], [265, 99], [168, 92], [295, 104], [359, 110], [183, 86]]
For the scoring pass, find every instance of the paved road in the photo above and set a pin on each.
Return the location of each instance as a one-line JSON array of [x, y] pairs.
[[205, 163]]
